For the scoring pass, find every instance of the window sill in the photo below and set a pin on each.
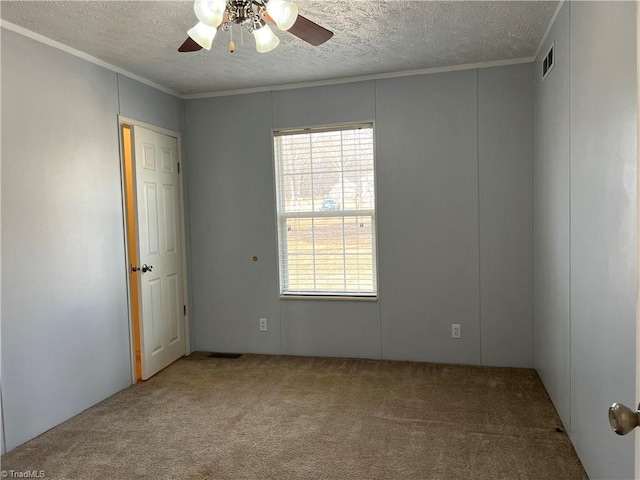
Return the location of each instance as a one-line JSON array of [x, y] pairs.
[[352, 298]]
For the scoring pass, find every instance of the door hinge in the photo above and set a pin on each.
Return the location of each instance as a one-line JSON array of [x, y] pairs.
[[178, 167], [184, 310]]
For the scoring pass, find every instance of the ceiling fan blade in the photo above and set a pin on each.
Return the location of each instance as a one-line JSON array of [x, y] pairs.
[[189, 45], [310, 31]]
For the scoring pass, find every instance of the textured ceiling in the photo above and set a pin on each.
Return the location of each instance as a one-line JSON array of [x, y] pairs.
[[371, 37]]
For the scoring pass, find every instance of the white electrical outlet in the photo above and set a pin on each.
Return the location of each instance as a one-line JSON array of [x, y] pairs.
[[263, 324], [456, 331]]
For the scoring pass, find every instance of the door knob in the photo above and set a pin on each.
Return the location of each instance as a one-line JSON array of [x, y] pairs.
[[622, 419], [135, 269], [147, 268]]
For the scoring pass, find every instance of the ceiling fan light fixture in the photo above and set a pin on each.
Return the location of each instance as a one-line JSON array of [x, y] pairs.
[[283, 13], [252, 15], [266, 40], [210, 12], [203, 35]]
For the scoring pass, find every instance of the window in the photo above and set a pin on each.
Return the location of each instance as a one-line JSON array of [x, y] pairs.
[[326, 211]]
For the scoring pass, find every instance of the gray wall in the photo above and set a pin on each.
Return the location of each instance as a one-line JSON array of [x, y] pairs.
[[445, 144], [506, 203], [586, 227], [551, 220], [230, 191], [427, 165], [65, 330]]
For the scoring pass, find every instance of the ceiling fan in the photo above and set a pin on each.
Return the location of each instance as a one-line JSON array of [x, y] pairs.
[[255, 15]]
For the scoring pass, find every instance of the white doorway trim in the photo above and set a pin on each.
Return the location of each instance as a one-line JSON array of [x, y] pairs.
[[637, 402], [122, 120]]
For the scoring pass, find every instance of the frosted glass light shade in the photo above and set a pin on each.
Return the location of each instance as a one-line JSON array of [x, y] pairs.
[[283, 13], [266, 40], [210, 12], [203, 35]]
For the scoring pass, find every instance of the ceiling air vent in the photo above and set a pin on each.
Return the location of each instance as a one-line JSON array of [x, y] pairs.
[[548, 63]]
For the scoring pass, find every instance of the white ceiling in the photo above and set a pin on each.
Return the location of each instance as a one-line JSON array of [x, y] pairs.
[[371, 37]]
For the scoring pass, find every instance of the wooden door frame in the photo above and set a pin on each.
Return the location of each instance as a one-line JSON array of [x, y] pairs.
[[122, 121]]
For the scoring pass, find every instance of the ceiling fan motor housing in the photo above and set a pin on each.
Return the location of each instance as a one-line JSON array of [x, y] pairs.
[[254, 15], [240, 11]]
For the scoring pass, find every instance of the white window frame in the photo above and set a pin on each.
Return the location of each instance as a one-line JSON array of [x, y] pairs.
[[282, 216]]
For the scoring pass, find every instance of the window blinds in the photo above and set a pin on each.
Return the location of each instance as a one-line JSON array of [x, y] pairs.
[[326, 211]]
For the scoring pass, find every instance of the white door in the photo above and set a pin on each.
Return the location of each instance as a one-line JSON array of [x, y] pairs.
[[162, 319]]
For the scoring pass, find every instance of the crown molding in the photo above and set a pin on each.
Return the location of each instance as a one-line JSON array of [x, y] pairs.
[[361, 78], [85, 56]]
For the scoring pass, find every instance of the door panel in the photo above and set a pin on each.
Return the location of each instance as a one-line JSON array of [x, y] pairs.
[[167, 160], [151, 215], [153, 314], [160, 241], [171, 232], [173, 290], [149, 159]]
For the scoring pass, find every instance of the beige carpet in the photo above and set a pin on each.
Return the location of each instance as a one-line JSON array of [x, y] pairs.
[[268, 417]]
